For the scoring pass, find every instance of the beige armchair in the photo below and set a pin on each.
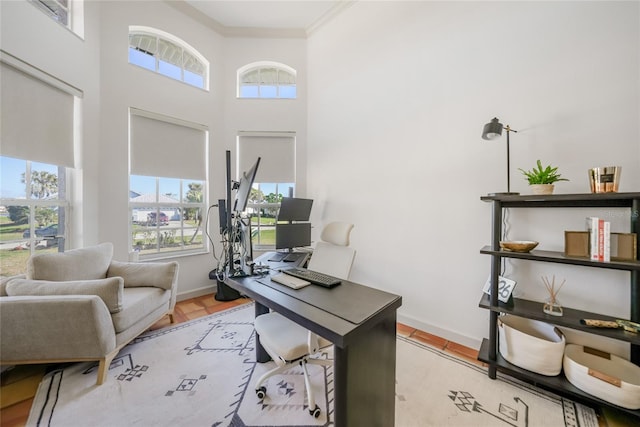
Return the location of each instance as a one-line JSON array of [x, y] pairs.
[[81, 305]]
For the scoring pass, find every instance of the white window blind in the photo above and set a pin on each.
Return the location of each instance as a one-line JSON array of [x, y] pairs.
[[37, 118], [167, 147], [276, 150]]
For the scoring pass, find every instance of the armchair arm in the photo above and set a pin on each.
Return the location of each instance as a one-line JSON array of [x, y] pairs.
[[109, 289], [5, 280], [55, 328]]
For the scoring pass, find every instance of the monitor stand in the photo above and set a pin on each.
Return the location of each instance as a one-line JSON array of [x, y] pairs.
[[223, 292]]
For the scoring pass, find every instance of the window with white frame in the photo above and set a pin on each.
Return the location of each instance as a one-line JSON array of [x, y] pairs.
[[37, 134], [68, 13], [275, 178], [167, 185], [58, 10], [33, 209], [166, 54], [267, 80]]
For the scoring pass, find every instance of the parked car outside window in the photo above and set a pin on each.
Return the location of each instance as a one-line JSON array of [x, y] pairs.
[[49, 234], [151, 218], [50, 231]]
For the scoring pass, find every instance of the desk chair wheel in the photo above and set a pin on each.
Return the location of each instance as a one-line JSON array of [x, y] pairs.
[[315, 412], [261, 392]]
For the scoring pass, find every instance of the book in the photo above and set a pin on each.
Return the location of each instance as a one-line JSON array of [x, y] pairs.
[[606, 251], [599, 239], [592, 227]]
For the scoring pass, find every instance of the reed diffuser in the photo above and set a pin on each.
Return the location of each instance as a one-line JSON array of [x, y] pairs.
[[552, 306]]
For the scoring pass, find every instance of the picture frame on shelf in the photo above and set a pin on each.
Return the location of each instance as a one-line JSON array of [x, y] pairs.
[[505, 288]]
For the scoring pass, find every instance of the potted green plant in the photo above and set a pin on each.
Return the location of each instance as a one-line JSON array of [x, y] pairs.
[[541, 179]]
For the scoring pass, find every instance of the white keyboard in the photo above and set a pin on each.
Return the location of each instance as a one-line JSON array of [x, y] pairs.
[[290, 281]]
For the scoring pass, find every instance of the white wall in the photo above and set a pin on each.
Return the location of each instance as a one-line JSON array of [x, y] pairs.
[[398, 95], [280, 115], [99, 66], [125, 85]]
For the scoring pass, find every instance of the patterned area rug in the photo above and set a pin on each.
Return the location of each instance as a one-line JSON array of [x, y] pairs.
[[201, 373]]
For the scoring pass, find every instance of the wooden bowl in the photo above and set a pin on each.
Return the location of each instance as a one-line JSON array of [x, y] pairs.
[[518, 245]]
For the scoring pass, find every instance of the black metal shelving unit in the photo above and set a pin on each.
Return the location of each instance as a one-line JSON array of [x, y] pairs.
[[571, 318]]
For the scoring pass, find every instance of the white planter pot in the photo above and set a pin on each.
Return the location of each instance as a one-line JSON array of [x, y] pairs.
[[541, 188]]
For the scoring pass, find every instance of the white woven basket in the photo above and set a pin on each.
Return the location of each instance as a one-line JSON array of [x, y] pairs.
[[531, 344], [604, 375]]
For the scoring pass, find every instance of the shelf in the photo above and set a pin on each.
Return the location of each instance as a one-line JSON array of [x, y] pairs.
[[619, 200], [557, 384], [559, 257], [569, 319]]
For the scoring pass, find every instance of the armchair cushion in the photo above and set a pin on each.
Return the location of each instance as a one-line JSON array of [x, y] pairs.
[[138, 303], [77, 264], [136, 274], [109, 290]]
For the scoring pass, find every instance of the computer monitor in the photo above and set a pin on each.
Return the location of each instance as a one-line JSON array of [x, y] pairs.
[[244, 190], [294, 209], [290, 236]]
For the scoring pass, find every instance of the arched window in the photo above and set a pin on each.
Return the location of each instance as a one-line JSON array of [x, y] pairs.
[[267, 80], [166, 54]]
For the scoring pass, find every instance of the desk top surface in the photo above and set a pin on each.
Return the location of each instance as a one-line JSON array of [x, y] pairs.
[[333, 313], [349, 301]]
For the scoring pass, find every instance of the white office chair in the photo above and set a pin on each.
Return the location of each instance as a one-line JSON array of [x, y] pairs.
[[289, 343], [332, 255]]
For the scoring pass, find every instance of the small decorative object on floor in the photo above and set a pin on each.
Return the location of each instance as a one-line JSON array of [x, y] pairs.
[[552, 306]]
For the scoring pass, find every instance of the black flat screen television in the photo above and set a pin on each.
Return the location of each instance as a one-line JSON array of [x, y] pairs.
[[244, 189], [295, 209], [290, 236]]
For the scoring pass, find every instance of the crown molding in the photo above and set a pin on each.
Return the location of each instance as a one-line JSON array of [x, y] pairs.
[[336, 10], [294, 33]]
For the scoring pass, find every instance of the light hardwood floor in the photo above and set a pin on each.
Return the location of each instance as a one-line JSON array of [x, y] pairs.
[[19, 385]]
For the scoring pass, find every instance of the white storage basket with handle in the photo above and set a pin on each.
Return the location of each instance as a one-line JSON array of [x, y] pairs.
[[604, 375], [531, 344]]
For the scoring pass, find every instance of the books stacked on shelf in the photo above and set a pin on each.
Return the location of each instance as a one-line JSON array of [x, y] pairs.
[[599, 239]]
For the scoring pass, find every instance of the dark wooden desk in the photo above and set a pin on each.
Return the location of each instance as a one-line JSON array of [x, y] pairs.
[[361, 323]]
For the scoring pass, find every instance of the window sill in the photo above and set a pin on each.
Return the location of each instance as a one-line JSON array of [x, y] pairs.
[[172, 255]]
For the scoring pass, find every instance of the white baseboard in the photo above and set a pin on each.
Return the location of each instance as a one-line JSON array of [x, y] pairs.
[[194, 293], [442, 333]]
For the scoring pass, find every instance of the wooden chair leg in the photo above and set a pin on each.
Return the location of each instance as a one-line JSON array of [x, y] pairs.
[[171, 318], [103, 367]]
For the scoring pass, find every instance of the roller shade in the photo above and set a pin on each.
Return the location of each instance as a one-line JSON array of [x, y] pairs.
[[277, 152], [166, 147], [37, 119]]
